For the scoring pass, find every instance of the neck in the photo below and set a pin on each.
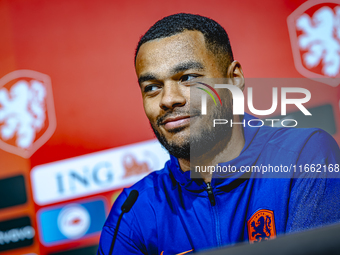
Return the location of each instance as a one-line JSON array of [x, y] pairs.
[[231, 149]]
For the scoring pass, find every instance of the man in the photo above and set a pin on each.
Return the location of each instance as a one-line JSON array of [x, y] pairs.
[[176, 214]]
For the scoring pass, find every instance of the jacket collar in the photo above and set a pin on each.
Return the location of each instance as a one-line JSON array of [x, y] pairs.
[[254, 143]]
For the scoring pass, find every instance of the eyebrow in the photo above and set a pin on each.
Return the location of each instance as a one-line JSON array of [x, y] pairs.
[[146, 77], [186, 66], [178, 68]]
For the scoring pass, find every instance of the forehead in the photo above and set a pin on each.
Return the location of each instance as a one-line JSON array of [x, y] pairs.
[[158, 56]]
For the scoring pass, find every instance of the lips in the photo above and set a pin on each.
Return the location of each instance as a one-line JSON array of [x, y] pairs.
[[176, 122]]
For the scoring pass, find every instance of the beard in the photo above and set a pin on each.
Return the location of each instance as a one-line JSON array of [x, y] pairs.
[[205, 140], [179, 151]]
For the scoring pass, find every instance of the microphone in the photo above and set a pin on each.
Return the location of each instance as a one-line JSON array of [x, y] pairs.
[[130, 201], [126, 207]]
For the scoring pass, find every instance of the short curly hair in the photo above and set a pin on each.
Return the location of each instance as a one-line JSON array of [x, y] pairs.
[[216, 38]]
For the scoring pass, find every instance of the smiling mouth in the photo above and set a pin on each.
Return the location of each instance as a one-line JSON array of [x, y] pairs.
[[177, 123]]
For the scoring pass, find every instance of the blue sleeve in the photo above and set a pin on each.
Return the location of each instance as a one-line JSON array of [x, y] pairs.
[[128, 240], [315, 197]]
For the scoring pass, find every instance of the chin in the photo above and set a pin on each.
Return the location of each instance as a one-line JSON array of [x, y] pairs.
[[179, 139]]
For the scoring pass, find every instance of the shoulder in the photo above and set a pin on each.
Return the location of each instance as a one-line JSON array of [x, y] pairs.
[[153, 182], [297, 139], [151, 190]]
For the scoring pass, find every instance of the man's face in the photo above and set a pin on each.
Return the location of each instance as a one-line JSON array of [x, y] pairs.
[[163, 67]]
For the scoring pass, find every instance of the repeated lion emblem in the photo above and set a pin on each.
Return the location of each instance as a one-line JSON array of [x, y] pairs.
[[27, 115], [261, 226], [22, 112], [314, 31], [321, 39]]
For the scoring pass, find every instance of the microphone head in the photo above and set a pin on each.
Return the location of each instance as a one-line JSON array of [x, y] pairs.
[[130, 201]]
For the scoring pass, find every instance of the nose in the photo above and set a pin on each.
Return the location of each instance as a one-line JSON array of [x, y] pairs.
[[172, 96]]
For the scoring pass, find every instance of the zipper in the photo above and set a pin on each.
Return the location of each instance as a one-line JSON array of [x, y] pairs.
[[211, 194], [214, 208]]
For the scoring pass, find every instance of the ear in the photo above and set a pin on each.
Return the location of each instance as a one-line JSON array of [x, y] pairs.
[[235, 73]]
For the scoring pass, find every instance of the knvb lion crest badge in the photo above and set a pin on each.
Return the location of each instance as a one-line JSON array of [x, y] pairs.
[[314, 30], [261, 226], [27, 117]]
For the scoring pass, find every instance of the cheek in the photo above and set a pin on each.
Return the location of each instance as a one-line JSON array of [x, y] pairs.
[[195, 99], [151, 108]]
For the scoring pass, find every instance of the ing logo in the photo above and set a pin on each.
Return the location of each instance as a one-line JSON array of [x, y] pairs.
[[27, 117], [133, 167]]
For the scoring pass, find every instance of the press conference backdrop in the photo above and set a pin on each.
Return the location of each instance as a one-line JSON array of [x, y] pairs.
[[73, 132]]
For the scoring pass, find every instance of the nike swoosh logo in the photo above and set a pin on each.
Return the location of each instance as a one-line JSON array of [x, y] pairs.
[[182, 253]]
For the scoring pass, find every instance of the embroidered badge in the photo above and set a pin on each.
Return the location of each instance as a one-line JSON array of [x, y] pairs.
[[261, 226]]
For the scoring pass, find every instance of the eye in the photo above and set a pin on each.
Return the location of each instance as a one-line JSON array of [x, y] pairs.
[[150, 88], [188, 77]]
